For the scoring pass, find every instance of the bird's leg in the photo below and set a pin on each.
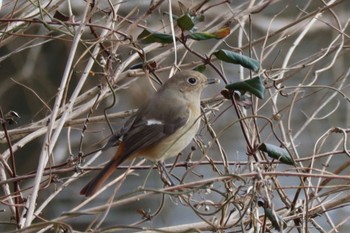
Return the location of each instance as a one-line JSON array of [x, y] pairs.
[[164, 175]]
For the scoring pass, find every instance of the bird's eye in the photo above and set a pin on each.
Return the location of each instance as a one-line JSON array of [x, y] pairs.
[[192, 81]]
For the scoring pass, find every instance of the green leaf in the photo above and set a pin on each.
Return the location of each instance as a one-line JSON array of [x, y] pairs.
[[148, 37], [202, 36], [254, 86], [276, 152], [219, 34], [275, 219], [185, 22], [200, 68], [222, 32], [236, 58]]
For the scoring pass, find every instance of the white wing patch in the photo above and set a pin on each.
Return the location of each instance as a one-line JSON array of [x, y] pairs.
[[154, 122]]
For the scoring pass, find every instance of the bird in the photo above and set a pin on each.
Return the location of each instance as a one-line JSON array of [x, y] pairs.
[[162, 127]]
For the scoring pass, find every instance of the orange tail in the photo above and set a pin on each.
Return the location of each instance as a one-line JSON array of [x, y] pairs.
[[103, 175]]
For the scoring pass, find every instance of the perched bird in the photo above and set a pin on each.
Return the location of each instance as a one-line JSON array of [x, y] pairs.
[[162, 127]]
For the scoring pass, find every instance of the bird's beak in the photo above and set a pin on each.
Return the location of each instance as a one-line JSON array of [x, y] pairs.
[[212, 81]]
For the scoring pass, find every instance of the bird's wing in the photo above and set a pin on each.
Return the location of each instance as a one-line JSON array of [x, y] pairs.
[[151, 126]]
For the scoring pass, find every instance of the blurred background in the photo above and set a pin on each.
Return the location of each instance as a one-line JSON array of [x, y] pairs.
[[303, 50]]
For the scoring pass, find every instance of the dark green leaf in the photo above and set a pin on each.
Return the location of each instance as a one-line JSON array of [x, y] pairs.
[[219, 34], [182, 7], [236, 58], [254, 86], [276, 220], [148, 37], [200, 68], [276, 152], [202, 36], [185, 22]]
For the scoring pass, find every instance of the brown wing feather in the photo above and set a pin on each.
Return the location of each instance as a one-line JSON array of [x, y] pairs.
[[141, 135]]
